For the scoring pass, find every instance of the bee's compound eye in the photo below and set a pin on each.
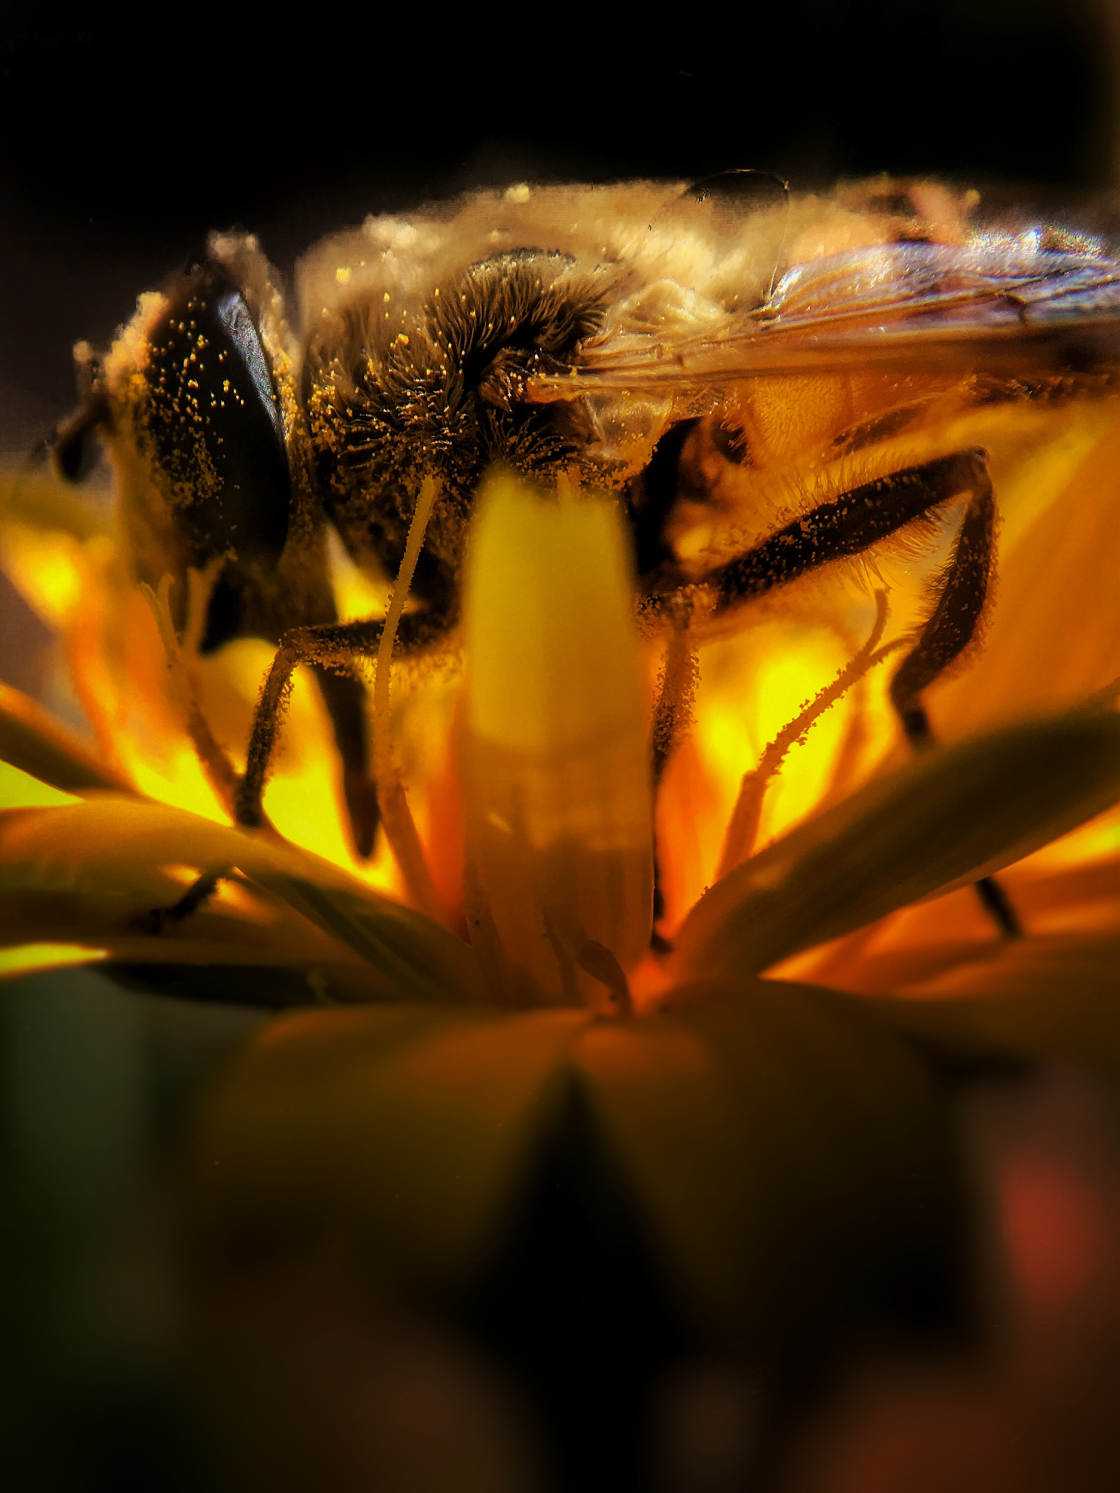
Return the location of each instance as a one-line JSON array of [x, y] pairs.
[[232, 313], [209, 422]]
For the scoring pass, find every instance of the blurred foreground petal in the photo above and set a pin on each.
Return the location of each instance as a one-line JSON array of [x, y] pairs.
[[33, 741], [1053, 999], [785, 1152], [405, 1129], [781, 1150]]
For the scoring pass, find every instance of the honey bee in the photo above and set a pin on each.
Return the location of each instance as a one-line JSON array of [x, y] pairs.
[[802, 364]]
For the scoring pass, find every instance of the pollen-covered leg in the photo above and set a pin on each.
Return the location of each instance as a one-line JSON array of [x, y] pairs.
[[949, 629], [850, 525], [329, 649], [952, 624], [344, 697]]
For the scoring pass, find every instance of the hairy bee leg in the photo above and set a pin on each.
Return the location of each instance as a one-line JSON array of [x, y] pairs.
[[848, 526], [323, 646], [952, 624], [671, 720], [948, 630], [344, 697]]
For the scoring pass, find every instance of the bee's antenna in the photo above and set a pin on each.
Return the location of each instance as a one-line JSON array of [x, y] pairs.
[[782, 241]]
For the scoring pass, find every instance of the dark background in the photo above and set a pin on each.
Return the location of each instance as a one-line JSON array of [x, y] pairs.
[[121, 151]]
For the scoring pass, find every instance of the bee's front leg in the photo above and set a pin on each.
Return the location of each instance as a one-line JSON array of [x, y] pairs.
[[330, 649]]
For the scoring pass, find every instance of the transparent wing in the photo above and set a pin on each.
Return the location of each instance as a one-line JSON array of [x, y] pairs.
[[984, 302]]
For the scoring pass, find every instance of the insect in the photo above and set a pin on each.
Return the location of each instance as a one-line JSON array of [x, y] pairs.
[[801, 364]]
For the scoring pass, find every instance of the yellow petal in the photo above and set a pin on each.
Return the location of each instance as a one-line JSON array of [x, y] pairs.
[[121, 852], [252, 955], [33, 958], [1063, 891], [556, 754], [34, 742], [783, 1151], [949, 817], [402, 1131], [45, 529], [1054, 998]]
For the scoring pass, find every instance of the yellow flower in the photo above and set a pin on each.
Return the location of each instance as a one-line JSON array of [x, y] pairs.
[[749, 1087]]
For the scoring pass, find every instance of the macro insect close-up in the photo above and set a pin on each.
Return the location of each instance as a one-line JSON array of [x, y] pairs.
[[765, 392], [690, 795]]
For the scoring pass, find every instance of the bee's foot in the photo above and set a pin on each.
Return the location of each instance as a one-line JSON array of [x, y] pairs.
[[158, 920], [154, 922], [362, 809]]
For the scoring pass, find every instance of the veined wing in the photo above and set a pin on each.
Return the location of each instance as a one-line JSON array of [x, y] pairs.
[[994, 299]]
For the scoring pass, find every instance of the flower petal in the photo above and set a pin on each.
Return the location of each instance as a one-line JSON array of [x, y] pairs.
[[267, 959], [949, 817], [556, 755], [1054, 998], [45, 527], [401, 1129], [113, 856], [1066, 889], [32, 740], [785, 1152]]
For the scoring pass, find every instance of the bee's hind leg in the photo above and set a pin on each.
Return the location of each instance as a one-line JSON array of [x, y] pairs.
[[947, 631], [851, 524], [952, 624]]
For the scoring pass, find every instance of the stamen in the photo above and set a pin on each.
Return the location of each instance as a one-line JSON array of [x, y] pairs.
[[742, 828], [396, 816], [598, 961], [216, 765]]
